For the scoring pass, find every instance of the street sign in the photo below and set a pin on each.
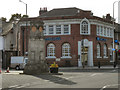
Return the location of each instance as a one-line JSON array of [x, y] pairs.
[[113, 49], [57, 59], [116, 41]]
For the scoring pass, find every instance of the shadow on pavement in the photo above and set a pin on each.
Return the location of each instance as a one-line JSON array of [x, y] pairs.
[[55, 79]]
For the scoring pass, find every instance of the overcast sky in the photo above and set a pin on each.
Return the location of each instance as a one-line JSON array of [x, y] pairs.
[[98, 7]]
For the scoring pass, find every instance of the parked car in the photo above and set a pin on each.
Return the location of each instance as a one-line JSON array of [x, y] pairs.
[[18, 62]]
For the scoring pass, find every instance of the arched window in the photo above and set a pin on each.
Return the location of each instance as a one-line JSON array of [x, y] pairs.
[[111, 53], [105, 50], [111, 49], [51, 50], [66, 50], [98, 50], [85, 27]]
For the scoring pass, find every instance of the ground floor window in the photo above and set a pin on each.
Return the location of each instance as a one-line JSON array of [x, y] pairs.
[[66, 50], [98, 51], [111, 53], [51, 50], [105, 50]]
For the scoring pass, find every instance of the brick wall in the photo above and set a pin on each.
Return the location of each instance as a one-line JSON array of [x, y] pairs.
[[73, 41]]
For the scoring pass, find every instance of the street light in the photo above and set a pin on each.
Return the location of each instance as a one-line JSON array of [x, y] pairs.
[[26, 26], [114, 31], [25, 4]]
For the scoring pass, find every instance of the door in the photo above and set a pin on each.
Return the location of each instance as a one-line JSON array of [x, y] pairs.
[[84, 55]]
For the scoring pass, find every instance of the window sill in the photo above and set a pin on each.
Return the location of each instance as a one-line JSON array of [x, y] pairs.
[[112, 61], [66, 57], [84, 34], [56, 34], [99, 57], [105, 57], [50, 57]]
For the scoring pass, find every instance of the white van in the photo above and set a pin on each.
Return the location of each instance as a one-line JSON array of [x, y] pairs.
[[18, 62]]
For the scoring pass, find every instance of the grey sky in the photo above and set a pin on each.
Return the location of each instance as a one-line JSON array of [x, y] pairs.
[[98, 7]]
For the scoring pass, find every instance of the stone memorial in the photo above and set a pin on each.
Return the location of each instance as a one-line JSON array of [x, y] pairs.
[[36, 50]]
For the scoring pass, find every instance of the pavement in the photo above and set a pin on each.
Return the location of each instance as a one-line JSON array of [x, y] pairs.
[[72, 69], [72, 77], [98, 80]]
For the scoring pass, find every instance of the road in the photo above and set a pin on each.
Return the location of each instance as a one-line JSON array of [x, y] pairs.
[[101, 80]]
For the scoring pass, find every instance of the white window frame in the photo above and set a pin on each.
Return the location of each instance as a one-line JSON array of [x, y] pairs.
[[98, 51], [98, 30], [54, 29], [66, 47], [44, 30], [50, 27], [68, 29], [108, 30], [111, 33], [101, 30], [88, 23], [105, 34], [50, 47], [58, 30], [105, 51]]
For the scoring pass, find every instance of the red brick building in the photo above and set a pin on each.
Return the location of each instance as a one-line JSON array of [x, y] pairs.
[[74, 36]]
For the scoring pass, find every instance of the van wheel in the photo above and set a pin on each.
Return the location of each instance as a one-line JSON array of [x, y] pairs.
[[17, 67]]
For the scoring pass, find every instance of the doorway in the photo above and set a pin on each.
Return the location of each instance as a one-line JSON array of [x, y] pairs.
[[85, 53]]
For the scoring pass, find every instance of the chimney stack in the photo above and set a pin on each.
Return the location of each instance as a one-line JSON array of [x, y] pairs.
[[42, 10], [108, 17]]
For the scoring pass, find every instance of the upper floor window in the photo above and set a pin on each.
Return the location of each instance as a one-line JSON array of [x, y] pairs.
[[104, 31], [51, 29], [108, 34], [111, 32], [58, 29], [98, 30], [85, 27], [66, 29], [44, 30], [101, 31]]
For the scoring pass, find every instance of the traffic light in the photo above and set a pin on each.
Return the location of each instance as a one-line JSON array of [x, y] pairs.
[[119, 52]]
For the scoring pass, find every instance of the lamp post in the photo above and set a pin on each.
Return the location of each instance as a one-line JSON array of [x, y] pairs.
[[25, 4], [26, 29], [114, 31]]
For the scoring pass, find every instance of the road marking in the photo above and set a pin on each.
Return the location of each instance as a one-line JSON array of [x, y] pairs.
[[113, 71], [46, 80], [95, 74], [13, 86], [19, 86], [106, 86]]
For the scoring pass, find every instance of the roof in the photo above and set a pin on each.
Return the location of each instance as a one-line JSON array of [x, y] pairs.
[[67, 13], [61, 12], [7, 28]]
